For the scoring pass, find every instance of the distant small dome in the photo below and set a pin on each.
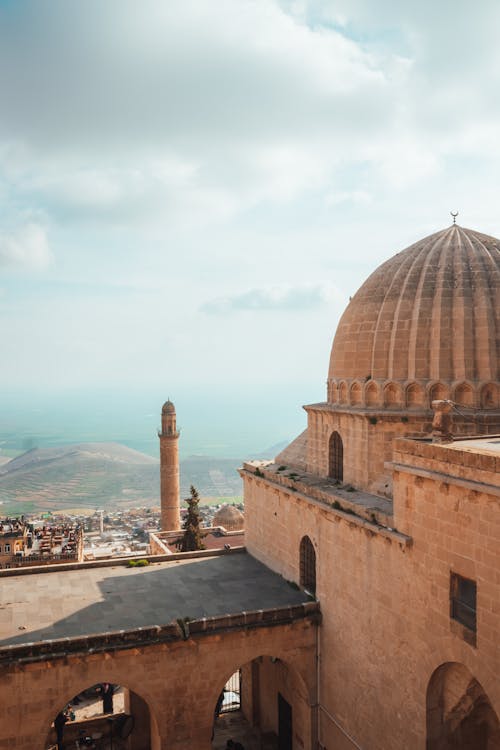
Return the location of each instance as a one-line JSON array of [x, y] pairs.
[[230, 518], [168, 408]]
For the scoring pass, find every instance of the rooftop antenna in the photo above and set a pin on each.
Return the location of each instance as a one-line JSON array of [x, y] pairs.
[[454, 214]]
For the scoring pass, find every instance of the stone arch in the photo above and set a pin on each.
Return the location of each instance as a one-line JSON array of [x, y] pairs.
[[459, 714], [336, 457], [356, 394], [392, 394], [371, 394], [414, 396], [343, 392], [274, 675], [145, 729], [438, 392], [307, 565], [463, 394], [489, 396]]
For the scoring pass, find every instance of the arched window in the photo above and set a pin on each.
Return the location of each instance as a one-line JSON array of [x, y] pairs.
[[307, 565], [336, 457]]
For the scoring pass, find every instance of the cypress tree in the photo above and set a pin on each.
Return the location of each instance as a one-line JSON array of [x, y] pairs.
[[191, 540]]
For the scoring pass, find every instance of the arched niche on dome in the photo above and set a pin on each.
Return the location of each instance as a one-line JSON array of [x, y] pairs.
[[438, 392], [333, 392], [343, 391], [356, 394], [489, 396], [372, 394], [392, 394], [463, 394], [414, 396], [336, 457]]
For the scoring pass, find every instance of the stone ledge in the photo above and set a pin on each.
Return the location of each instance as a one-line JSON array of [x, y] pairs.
[[370, 518], [181, 630], [362, 410], [116, 561], [425, 454], [440, 476]]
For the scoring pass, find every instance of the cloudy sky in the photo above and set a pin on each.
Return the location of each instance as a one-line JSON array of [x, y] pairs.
[[190, 190]]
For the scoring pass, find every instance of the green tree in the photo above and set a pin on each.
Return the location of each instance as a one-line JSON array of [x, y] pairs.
[[190, 541]]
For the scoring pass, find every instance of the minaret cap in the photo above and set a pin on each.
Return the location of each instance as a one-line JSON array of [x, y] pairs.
[[168, 408]]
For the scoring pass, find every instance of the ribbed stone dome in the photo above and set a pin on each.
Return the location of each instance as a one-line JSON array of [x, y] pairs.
[[429, 315]]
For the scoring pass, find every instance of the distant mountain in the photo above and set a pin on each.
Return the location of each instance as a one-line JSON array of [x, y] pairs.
[[100, 475], [271, 452], [37, 457]]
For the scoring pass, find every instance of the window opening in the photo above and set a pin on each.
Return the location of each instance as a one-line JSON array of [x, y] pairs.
[[463, 601], [232, 693], [336, 457], [307, 565]]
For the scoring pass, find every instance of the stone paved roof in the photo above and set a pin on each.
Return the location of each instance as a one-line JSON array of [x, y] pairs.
[[432, 312], [96, 600]]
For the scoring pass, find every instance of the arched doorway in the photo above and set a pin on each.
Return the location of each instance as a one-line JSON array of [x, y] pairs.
[[104, 716], [336, 457], [459, 714], [275, 706], [307, 565]]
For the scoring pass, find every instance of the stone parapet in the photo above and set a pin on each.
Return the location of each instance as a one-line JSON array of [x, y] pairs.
[[180, 630], [115, 561], [452, 462]]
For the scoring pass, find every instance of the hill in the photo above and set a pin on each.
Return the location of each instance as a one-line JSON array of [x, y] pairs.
[[103, 475]]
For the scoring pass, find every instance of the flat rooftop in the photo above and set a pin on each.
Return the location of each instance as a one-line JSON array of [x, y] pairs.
[[87, 601]]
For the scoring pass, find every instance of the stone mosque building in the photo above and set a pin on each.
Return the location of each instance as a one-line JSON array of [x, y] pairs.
[[364, 613], [397, 531]]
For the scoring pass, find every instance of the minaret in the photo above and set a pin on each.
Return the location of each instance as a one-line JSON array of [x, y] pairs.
[[169, 469]]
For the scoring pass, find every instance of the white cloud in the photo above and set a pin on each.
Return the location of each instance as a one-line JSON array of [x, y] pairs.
[[237, 155], [239, 99], [289, 299], [348, 196], [26, 247]]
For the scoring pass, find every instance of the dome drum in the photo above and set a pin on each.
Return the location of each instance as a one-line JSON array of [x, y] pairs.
[[391, 395]]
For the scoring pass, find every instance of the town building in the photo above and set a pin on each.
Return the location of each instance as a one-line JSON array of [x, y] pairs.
[[24, 543], [364, 612]]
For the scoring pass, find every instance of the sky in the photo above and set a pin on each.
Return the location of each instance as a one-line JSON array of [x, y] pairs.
[[190, 191]]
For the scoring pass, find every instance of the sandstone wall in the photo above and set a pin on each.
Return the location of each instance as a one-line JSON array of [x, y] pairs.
[[386, 615], [179, 681]]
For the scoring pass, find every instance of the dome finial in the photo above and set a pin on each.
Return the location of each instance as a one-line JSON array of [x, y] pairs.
[[454, 214]]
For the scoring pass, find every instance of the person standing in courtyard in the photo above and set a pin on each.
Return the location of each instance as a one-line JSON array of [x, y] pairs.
[[107, 691], [59, 723]]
